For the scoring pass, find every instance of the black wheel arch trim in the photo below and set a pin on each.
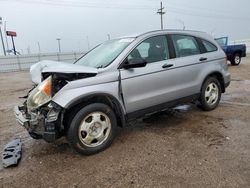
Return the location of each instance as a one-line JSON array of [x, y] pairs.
[[118, 108], [220, 79]]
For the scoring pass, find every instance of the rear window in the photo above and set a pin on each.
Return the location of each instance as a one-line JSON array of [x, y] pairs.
[[185, 45], [209, 47]]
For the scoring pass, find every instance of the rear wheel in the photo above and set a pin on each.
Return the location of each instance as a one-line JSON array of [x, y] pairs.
[[236, 59], [210, 94], [92, 129]]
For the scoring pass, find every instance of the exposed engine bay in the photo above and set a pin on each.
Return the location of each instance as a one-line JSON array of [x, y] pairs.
[[59, 80]]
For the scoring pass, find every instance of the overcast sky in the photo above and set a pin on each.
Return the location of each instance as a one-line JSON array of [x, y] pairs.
[[45, 20]]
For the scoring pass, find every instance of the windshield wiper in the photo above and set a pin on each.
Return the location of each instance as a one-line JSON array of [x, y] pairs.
[[100, 66]]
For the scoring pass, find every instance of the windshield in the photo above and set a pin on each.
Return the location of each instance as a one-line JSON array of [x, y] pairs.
[[102, 55]]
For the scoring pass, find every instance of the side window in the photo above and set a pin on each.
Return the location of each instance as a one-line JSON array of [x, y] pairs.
[[185, 45], [152, 50], [209, 46]]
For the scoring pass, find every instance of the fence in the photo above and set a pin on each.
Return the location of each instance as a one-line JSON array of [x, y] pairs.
[[23, 62]]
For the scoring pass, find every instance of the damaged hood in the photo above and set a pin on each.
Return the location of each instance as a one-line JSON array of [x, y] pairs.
[[37, 69]]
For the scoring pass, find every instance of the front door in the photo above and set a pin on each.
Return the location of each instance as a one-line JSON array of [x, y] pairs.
[[153, 84]]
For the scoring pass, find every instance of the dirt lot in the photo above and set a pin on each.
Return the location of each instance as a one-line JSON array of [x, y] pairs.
[[192, 149]]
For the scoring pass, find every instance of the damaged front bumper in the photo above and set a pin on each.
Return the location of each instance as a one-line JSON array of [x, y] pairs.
[[46, 124]]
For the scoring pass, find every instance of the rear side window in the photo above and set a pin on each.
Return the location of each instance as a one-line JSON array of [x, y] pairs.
[[185, 45], [209, 47]]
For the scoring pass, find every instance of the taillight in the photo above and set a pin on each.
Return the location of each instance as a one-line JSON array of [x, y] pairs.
[[225, 60]]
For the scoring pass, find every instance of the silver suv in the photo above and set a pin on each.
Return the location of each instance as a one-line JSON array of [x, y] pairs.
[[120, 80]]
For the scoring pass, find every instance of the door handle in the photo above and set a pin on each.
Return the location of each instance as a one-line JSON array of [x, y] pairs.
[[203, 59], [167, 65]]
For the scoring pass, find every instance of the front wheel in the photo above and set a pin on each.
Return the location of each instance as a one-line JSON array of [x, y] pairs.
[[92, 129], [210, 94], [236, 59]]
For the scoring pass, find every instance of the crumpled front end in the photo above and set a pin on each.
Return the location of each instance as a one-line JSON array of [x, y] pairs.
[[44, 122], [42, 117], [39, 115]]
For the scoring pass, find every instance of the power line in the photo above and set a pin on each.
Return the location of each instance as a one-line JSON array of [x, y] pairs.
[[201, 9], [103, 5], [195, 12], [209, 16], [79, 5]]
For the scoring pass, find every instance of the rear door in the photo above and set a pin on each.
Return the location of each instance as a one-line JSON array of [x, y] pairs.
[[189, 62]]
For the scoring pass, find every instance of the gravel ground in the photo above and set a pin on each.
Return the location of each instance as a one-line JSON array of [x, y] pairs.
[[191, 149]]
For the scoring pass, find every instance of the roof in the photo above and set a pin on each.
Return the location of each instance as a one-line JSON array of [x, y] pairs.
[[135, 35]]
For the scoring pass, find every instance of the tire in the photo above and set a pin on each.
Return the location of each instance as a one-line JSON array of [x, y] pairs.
[[92, 129], [210, 94], [236, 59]]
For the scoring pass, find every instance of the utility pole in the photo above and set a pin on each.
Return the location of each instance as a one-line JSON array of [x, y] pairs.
[[59, 44], [7, 44], [160, 11], [108, 36], [2, 36], [39, 47]]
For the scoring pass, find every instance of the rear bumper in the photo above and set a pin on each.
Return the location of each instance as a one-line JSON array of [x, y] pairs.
[[244, 54], [227, 84], [227, 80]]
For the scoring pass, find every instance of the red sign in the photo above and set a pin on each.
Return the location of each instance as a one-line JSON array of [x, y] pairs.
[[11, 33]]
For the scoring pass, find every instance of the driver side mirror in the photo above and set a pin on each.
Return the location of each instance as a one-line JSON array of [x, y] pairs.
[[134, 63]]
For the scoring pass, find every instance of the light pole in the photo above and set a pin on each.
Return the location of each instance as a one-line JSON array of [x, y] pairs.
[[88, 43], [183, 24], [212, 32], [79, 46], [2, 36], [7, 44], [28, 50], [39, 47], [59, 44]]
